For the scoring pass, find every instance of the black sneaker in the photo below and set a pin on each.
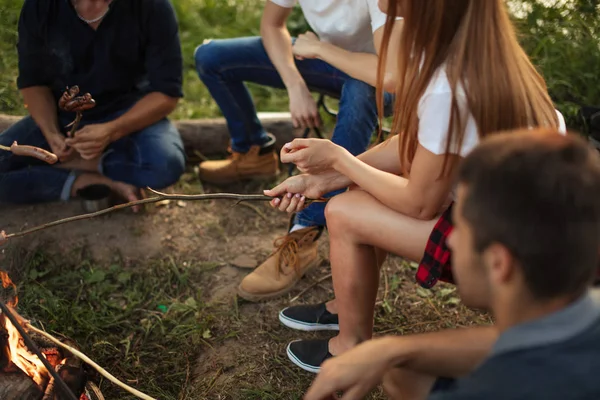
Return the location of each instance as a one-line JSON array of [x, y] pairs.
[[309, 354], [309, 318]]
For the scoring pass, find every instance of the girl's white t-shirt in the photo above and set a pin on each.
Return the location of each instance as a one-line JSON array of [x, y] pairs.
[[434, 111], [348, 24]]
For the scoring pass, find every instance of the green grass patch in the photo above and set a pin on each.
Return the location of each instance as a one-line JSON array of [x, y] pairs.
[[143, 323]]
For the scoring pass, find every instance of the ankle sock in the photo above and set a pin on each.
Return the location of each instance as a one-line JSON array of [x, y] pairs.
[[297, 227]]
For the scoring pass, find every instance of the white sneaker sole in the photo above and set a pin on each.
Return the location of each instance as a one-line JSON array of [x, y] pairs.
[[295, 361], [305, 326]]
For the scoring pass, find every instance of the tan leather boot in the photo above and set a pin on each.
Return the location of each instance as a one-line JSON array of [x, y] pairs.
[[295, 254], [257, 163]]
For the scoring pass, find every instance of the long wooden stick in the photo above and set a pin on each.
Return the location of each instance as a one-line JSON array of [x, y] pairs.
[[159, 197], [89, 361], [5, 148]]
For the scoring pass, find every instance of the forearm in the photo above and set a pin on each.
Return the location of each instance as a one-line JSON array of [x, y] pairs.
[[383, 157], [278, 44], [449, 353], [360, 66], [41, 104], [148, 110], [390, 189]]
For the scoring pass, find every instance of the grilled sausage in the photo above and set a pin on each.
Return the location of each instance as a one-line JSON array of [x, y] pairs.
[[67, 96], [80, 103]]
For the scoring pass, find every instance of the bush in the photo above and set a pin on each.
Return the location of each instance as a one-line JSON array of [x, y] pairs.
[[561, 36]]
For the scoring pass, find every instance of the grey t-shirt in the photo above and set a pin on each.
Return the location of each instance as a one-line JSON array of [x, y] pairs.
[[555, 357]]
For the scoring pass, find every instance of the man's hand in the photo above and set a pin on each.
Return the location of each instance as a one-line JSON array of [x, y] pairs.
[[58, 145], [91, 141], [3, 238], [307, 45], [303, 107], [355, 372]]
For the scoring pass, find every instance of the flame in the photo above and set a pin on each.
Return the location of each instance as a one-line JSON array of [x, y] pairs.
[[22, 358], [19, 355], [6, 282]]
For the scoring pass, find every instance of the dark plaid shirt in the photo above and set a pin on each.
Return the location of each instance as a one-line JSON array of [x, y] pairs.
[[135, 51]]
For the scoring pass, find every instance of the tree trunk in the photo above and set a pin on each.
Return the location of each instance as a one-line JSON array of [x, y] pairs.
[[210, 137]]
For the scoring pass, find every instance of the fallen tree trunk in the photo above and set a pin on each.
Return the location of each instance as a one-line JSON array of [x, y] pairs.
[[210, 137]]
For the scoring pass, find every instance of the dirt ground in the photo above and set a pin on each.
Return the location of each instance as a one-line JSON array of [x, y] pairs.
[[245, 357]]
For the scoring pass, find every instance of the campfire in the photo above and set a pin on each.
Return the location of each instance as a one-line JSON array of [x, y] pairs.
[[23, 375]]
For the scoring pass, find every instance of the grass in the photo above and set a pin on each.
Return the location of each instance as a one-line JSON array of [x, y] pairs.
[[562, 37]]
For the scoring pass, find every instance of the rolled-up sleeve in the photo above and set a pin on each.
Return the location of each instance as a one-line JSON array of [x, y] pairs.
[[34, 57], [164, 62]]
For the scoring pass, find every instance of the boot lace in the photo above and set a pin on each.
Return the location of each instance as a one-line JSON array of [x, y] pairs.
[[287, 253]]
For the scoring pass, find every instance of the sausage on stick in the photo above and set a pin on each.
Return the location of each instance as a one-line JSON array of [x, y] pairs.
[[30, 151]]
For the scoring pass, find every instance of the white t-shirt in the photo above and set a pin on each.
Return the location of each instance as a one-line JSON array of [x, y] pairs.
[[434, 113], [348, 24]]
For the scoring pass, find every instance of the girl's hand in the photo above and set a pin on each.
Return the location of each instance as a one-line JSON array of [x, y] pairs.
[[290, 196], [312, 156]]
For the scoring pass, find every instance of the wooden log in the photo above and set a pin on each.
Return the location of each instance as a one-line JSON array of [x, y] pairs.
[[210, 137], [17, 385]]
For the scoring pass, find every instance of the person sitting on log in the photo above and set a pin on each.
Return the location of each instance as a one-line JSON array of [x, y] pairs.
[[404, 194], [525, 247], [341, 58], [127, 55]]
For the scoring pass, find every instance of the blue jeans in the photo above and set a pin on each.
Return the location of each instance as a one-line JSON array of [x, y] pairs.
[[224, 66], [152, 157]]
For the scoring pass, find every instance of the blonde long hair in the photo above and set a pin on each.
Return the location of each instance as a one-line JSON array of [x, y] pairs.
[[478, 45]]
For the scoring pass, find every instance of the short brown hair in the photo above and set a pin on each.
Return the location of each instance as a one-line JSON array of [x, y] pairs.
[[537, 193]]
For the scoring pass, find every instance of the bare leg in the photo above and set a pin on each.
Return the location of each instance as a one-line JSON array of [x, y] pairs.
[[358, 223], [404, 384], [127, 192]]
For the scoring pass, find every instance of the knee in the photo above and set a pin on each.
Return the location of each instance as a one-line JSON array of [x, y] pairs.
[[338, 212], [165, 168], [207, 57], [170, 170], [359, 91]]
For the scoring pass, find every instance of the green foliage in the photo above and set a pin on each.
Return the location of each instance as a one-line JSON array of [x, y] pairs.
[[561, 36], [10, 100], [144, 323], [563, 40]]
